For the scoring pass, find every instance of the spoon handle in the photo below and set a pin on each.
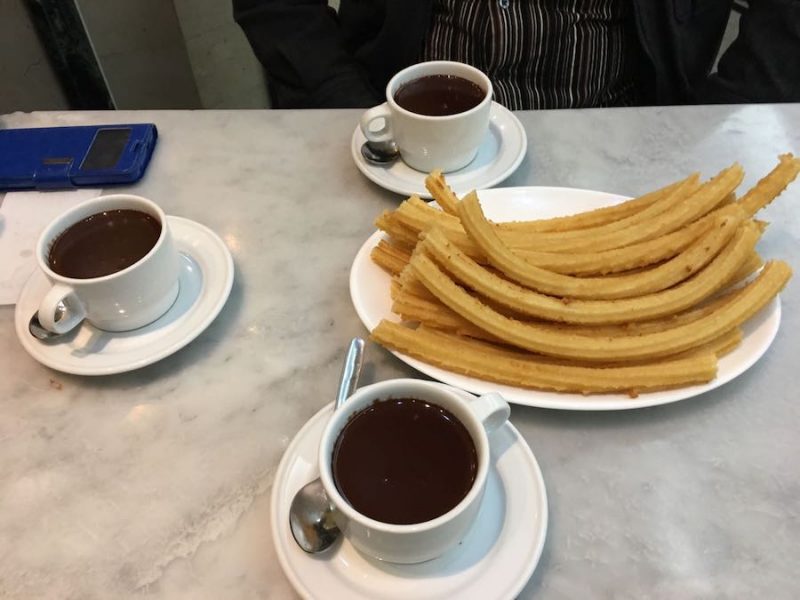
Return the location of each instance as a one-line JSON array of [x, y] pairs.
[[351, 371]]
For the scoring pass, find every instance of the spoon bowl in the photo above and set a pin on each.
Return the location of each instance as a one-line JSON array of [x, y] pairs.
[[311, 515], [380, 154], [311, 518], [37, 330]]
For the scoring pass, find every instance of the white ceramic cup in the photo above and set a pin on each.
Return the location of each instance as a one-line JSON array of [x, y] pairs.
[[420, 541], [121, 301], [426, 143]]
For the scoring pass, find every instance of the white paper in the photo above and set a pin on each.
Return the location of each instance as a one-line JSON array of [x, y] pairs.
[[23, 216]]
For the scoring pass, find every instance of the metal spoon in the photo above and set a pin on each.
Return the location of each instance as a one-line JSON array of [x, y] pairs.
[[379, 153], [311, 515], [45, 335]]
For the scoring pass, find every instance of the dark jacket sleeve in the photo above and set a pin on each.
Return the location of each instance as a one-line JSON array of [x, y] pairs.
[[763, 63], [300, 45]]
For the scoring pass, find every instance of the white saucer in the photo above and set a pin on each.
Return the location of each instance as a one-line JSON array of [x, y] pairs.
[[499, 155], [205, 283], [495, 560]]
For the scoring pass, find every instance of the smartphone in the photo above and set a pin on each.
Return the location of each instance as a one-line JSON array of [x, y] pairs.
[[68, 157]]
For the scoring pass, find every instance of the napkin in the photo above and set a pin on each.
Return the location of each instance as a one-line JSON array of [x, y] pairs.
[[23, 216]]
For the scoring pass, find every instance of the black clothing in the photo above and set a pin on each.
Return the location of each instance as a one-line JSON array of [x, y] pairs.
[[315, 57]]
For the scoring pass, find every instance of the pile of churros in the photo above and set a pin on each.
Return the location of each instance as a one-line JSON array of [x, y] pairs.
[[639, 296]]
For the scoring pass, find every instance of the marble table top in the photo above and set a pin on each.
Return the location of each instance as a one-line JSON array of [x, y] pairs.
[[155, 483]]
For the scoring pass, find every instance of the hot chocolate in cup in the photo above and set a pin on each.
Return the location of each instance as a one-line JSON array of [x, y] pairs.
[[436, 112], [110, 260], [404, 463]]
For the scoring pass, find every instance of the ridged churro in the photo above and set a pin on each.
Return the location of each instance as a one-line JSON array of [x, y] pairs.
[[494, 364], [627, 298], [535, 304]]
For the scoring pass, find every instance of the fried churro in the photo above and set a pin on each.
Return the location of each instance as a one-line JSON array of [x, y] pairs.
[[643, 295]]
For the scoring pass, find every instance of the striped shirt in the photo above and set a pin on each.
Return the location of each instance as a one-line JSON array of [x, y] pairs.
[[541, 53]]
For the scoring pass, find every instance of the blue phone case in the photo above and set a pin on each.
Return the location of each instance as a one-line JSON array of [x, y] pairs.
[[67, 157]]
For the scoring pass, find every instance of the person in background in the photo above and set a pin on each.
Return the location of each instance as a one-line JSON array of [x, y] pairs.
[[538, 53]]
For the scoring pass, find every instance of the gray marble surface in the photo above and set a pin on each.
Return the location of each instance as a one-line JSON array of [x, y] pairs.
[[155, 483]]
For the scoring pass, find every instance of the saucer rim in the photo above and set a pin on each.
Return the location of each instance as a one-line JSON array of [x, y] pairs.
[[35, 348], [534, 471], [496, 109]]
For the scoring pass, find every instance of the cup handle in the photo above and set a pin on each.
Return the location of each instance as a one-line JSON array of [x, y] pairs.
[[492, 410], [384, 134], [58, 320]]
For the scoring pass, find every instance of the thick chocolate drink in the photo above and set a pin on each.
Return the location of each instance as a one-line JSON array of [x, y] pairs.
[[103, 243], [439, 95], [404, 461]]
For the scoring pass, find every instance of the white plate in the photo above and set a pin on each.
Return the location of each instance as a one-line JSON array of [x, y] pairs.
[[495, 560], [369, 291], [205, 283], [500, 153]]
